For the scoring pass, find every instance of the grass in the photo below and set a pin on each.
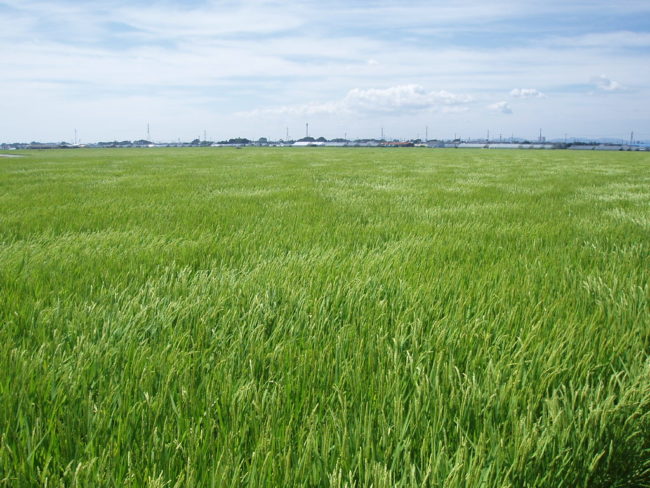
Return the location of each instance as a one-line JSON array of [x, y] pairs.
[[325, 317]]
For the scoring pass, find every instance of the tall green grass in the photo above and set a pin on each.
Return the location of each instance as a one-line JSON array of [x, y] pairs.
[[325, 317]]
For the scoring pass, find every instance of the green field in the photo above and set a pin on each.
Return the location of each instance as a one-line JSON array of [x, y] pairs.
[[325, 317]]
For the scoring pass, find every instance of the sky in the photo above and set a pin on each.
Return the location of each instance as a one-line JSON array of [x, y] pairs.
[[256, 68]]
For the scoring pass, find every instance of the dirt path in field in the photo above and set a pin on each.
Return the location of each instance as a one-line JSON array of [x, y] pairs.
[[11, 156]]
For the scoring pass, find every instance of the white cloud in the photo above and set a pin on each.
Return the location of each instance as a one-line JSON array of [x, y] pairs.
[[400, 98], [502, 107], [526, 93], [605, 84], [392, 100]]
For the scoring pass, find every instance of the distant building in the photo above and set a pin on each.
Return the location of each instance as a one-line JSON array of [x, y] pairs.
[[308, 143], [471, 145], [397, 144]]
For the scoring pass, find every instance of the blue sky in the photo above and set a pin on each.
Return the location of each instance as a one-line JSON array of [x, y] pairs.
[[255, 68]]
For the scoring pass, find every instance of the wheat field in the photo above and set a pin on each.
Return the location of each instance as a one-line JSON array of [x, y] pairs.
[[325, 317]]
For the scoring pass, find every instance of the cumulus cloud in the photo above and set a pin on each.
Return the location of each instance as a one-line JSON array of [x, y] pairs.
[[392, 100], [502, 107], [605, 84], [400, 98], [526, 93]]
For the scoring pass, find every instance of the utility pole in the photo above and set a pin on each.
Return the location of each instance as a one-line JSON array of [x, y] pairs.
[[426, 133], [631, 138], [307, 129], [488, 136], [205, 135], [148, 133], [382, 133], [75, 137], [287, 134]]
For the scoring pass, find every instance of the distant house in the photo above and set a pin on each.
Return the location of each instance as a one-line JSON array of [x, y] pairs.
[[308, 143], [472, 145], [506, 146], [435, 144], [611, 148], [44, 145], [397, 144]]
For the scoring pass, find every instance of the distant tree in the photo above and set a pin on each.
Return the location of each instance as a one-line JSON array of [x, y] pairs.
[[263, 140], [307, 139], [321, 139]]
